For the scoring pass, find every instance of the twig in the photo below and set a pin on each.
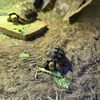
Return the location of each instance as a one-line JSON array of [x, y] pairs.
[[36, 74], [57, 96], [92, 90], [89, 69], [85, 74], [49, 98], [28, 95]]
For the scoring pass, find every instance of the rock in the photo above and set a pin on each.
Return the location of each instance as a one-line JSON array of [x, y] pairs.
[[19, 31], [68, 8]]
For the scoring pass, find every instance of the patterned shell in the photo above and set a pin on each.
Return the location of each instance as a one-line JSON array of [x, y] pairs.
[[24, 10]]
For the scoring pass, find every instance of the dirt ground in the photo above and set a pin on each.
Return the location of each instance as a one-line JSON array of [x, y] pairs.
[[81, 43]]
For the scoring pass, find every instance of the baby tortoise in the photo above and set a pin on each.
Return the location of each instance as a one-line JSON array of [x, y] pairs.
[[57, 61], [23, 12]]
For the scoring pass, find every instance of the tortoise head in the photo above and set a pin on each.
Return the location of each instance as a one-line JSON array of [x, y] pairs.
[[13, 17]]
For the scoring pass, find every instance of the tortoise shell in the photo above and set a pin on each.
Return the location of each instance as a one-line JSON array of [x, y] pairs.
[[24, 12], [55, 53], [54, 59]]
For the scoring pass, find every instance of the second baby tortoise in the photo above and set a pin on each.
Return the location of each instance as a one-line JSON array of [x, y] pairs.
[[54, 57], [57, 61]]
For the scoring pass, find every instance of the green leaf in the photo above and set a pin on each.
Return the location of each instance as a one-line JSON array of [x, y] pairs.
[[55, 74], [62, 82], [23, 31], [23, 55], [58, 78]]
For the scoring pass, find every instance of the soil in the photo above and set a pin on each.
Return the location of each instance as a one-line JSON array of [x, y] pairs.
[[81, 43]]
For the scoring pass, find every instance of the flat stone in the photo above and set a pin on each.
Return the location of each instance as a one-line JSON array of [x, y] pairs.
[[20, 31]]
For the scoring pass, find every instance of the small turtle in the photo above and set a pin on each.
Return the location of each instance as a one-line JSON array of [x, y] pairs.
[[55, 53], [55, 59], [23, 12]]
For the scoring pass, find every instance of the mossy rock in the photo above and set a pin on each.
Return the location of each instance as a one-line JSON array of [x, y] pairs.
[[21, 31]]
